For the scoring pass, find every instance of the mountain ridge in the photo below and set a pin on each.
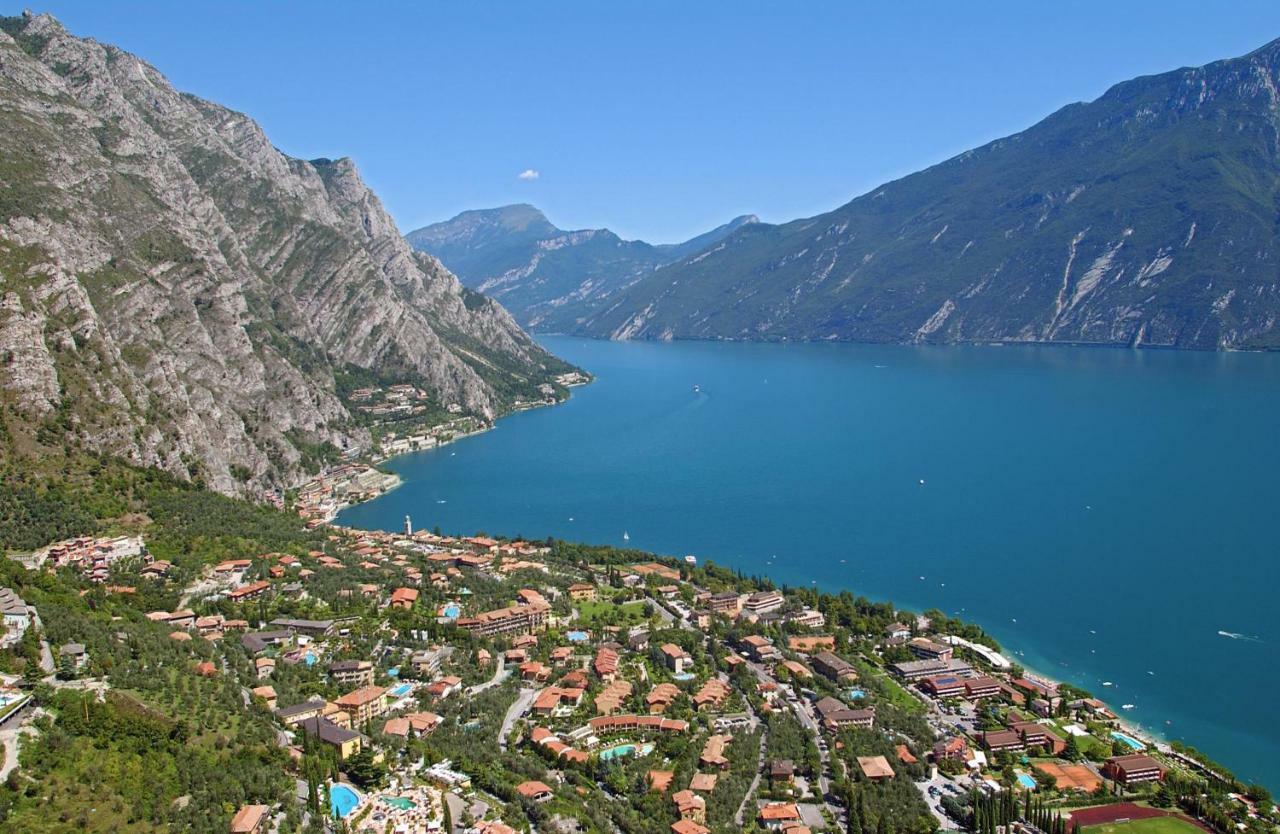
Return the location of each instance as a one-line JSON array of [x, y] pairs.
[[1144, 217], [547, 276], [179, 292]]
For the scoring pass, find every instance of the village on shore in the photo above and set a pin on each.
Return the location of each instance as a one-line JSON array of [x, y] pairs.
[[424, 682]]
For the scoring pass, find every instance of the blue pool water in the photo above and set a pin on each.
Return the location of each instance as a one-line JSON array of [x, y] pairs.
[[1129, 740], [1152, 469], [342, 800], [309, 658], [684, 676], [855, 694], [1026, 781], [394, 671], [452, 612], [577, 636], [401, 690], [611, 753]]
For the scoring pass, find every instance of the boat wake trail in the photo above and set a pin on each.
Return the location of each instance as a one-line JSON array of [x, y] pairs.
[[1237, 636]]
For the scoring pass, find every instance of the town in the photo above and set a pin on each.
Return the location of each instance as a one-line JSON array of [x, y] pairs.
[[475, 685]]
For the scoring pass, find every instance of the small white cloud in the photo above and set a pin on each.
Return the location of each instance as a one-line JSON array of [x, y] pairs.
[[527, 174]]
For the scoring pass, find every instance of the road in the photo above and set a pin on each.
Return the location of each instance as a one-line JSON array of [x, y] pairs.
[[11, 740], [499, 675], [521, 705], [755, 783], [938, 781]]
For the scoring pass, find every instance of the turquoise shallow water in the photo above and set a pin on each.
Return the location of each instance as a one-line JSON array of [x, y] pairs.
[[1112, 514]]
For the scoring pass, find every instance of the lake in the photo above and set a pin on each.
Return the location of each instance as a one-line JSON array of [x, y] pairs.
[[1111, 515]]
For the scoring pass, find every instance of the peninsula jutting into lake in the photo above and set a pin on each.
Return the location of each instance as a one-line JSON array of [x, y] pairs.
[[884, 520]]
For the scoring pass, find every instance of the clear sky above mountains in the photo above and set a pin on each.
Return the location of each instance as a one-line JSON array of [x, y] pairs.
[[656, 119]]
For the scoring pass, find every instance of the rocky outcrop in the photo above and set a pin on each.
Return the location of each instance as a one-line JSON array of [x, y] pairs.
[[178, 291]]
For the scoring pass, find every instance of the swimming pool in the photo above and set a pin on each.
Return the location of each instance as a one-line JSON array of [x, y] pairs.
[[856, 694], [401, 690], [577, 636], [310, 658], [452, 612], [1129, 740], [612, 753], [400, 802], [684, 676], [1026, 781], [342, 800]]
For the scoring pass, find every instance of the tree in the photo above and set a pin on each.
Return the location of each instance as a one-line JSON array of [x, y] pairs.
[[366, 771]]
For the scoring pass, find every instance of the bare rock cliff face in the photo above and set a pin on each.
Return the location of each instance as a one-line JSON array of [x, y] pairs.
[[175, 290]]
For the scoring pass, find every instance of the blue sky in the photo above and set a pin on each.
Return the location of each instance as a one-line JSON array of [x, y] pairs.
[[656, 119]]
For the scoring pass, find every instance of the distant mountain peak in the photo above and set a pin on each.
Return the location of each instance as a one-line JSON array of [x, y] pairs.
[[546, 276]]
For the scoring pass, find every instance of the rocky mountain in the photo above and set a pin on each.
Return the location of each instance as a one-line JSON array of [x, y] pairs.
[[547, 277], [1146, 217], [175, 290]]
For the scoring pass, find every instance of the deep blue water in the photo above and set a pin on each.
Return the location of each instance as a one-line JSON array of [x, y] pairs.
[[1066, 491]]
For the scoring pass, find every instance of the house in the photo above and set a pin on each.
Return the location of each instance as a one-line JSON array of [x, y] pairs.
[[984, 687], [249, 820], [762, 602], [727, 602], [404, 598], [606, 664], [1037, 735], [419, 723], [676, 658], [427, 661], [914, 670], [267, 694], [206, 669], [514, 619], [834, 715], [834, 668], [534, 790], [798, 671], [1133, 769], [611, 698], [580, 591], [660, 780], [779, 816], [364, 704], [444, 687], [689, 827], [264, 666], [807, 618], [997, 740], [897, 631], [553, 697], [346, 742], [713, 752], [875, 768], [247, 592], [638, 641], [703, 782], [760, 648], [712, 694], [352, 672], [532, 670], [943, 686], [661, 697], [73, 655], [926, 649], [258, 641], [646, 723], [311, 628], [298, 713], [690, 806], [955, 749], [905, 755], [16, 614], [782, 772]]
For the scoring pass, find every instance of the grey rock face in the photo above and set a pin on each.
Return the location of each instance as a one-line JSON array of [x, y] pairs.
[[176, 290]]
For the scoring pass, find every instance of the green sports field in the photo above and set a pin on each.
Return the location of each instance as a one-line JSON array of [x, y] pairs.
[[1153, 825]]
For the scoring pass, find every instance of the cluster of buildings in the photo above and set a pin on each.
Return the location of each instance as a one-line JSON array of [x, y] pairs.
[[91, 556]]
